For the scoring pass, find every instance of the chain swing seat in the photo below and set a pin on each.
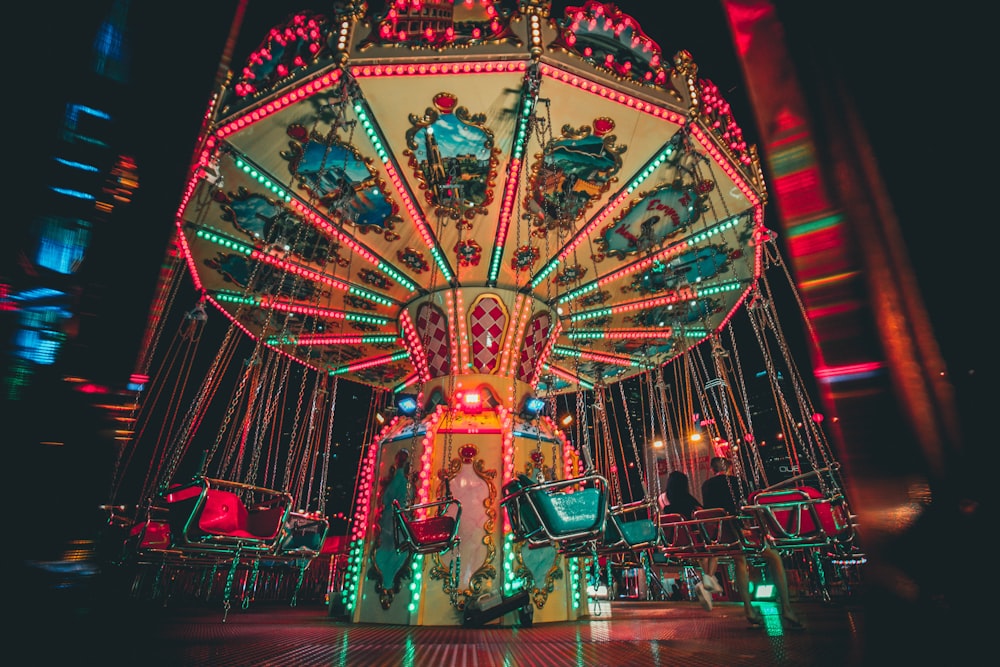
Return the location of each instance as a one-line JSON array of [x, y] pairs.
[[569, 513], [210, 514], [630, 528], [427, 528], [802, 516], [302, 535]]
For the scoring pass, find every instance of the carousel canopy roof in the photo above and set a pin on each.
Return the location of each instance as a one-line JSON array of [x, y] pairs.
[[490, 163]]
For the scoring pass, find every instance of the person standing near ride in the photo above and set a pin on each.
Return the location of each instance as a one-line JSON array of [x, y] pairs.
[[718, 491], [677, 499]]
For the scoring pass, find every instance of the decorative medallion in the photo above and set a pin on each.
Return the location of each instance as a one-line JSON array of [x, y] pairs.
[[570, 274], [572, 172], [468, 452], [453, 156], [260, 278], [611, 39], [288, 48], [375, 279], [434, 24], [595, 298], [275, 229], [654, 219], [685, 269], [340, 180]]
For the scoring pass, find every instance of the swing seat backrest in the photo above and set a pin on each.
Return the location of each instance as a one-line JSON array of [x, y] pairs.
[[559, 510], [566, 514], [723, 533], [223, 513], [302, 534], [801, 516], [613, 534], [640, 533], [714, 527]]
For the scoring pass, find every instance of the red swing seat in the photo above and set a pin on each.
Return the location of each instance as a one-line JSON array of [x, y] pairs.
[[218, 515], [416, 531], [802, 517]]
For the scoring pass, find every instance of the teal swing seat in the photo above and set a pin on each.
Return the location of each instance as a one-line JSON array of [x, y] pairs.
[[569, 513], [630, 528]]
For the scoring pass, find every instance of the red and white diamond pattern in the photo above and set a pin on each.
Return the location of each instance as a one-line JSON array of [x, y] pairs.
[[487, 324], [534, 342], [432, 330]]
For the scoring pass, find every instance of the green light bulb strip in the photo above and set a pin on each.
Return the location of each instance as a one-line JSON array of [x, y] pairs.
[[367, 319], [395, 175], [591, 314], [258, 175]]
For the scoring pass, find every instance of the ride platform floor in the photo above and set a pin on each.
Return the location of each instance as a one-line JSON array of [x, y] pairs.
[[621, 633]]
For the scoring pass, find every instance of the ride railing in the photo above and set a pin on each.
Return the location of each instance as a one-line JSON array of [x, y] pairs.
[[427, 528], [708, 533], [630, 527], [570, 514]]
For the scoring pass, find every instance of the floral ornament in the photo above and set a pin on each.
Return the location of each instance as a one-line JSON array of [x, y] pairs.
[[595, 298], [413, 259], [570, 275], [365, 327], [375, 279], [524, 258], [358, 302], [469, 253]]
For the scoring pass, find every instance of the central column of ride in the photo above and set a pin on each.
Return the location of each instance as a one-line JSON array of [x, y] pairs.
[[480, 353]]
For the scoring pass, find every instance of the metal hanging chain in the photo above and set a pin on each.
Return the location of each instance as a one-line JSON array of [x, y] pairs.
[[729, 413], [761, 323], [749, 447], [635, 449], [603, 443], [813, 429], [810, 433], [306, 458], [656, 411]]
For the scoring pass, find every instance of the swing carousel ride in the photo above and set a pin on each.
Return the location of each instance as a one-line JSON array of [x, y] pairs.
[[476, 209]]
